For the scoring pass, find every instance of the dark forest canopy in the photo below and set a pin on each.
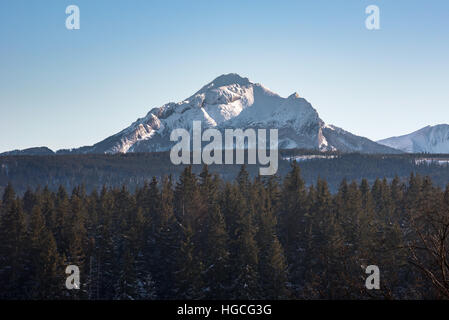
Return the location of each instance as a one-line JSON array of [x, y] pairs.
[[200, 237], [132, 170]]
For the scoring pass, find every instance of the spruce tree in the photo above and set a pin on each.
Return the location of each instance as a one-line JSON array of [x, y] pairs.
[[244, 254], [217, 268], [292, 219], [13, 259], [46, 265], [166, 243], [272, 264], [189, 269]]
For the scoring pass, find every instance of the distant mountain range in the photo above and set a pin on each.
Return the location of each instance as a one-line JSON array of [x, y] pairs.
[[231, 101]]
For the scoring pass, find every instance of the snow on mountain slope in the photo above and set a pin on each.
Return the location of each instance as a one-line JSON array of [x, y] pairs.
[[431, 139]]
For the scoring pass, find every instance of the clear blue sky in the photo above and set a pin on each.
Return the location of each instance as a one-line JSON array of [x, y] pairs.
[[66, 89]]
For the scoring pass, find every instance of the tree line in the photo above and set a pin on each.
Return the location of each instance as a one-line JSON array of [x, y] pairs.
[[204, 238]]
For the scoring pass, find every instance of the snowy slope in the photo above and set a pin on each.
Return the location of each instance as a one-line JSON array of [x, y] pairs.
[[431, 139]]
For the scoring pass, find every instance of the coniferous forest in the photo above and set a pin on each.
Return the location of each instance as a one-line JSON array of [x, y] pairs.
[[199, 237], [133, 169]]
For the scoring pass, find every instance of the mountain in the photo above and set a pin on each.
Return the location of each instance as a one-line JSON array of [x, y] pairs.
[[430, 139], [38, 151], [232, 101]]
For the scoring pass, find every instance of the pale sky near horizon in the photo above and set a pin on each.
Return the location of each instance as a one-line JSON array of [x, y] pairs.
[[69, 88]]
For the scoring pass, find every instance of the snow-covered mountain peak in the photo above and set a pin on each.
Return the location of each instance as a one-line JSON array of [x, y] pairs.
[[439, 128], [431, 139], [230, 79], [232, 101]]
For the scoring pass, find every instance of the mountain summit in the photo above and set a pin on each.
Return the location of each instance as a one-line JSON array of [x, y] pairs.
[[232, 101]]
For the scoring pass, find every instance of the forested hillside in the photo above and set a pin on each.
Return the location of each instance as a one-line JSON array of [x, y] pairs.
[[132, 170], [200, 237]]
